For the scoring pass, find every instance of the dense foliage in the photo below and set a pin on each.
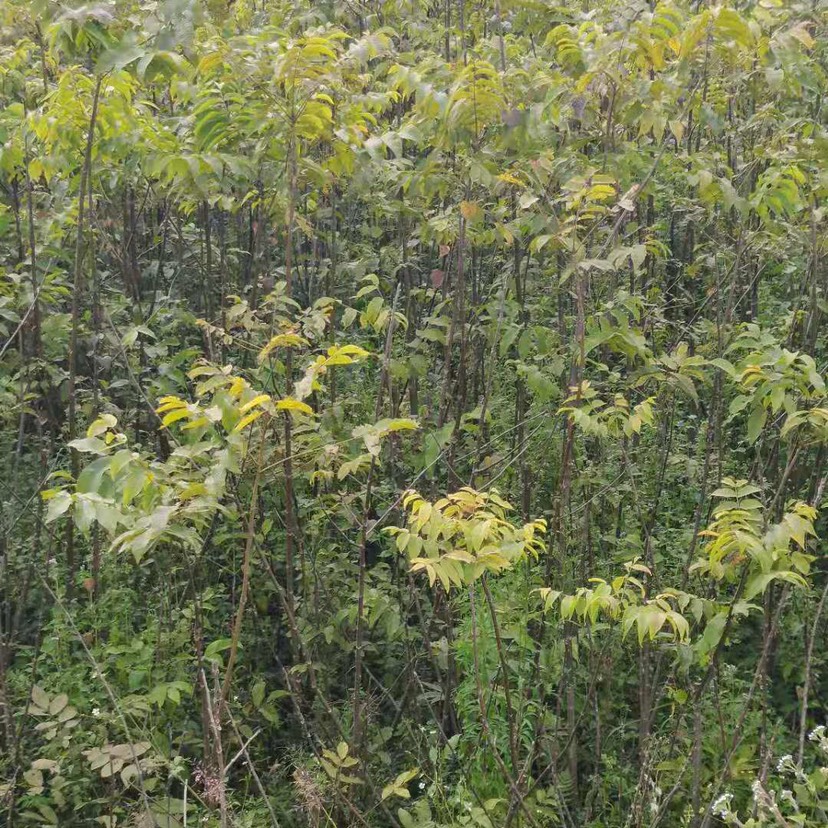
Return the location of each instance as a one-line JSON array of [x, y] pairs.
[[413, 413]]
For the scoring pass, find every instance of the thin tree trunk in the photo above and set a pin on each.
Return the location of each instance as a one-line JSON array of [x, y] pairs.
[[85, 181]]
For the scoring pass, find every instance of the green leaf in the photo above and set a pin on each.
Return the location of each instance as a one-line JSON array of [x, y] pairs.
[[756, 422], [213, 650], [58, 505], [40, 698], [92, 445], [92, 478], [58, 703]]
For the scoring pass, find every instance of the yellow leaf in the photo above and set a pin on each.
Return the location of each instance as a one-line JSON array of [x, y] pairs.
[[801, 33], [245, 421], [339, 351], [201, 421], [35, 169], [470, 210], [257, 400], [202, 370], [285, 340], [290, 404], [210, 61], [102, 424], [508, 178], [677, 128], [169, 404], [174, 416], [192, 490]]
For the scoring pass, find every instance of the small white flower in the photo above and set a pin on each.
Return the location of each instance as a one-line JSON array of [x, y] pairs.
[[721, 807], [819, 736], [422, 786], [96, 712], [786, 762]]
